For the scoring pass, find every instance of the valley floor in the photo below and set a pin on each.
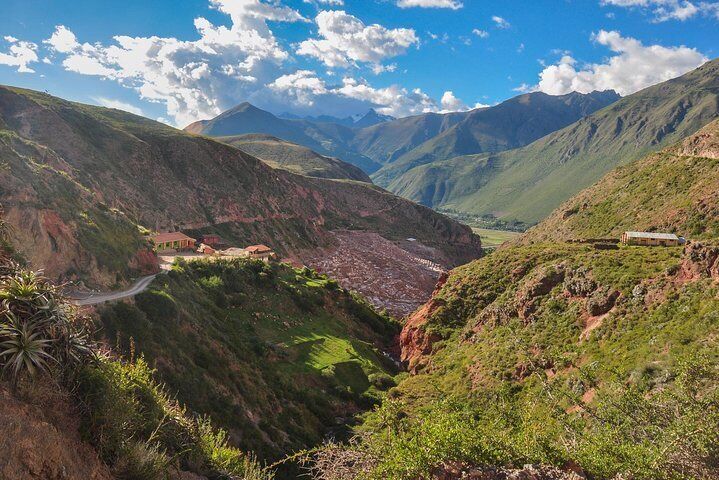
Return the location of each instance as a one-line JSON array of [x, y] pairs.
[[494, 238]]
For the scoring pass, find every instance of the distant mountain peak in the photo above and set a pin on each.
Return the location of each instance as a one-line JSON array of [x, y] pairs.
[[372, 118]]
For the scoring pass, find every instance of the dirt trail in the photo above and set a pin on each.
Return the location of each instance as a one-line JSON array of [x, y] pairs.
[[96, 298]]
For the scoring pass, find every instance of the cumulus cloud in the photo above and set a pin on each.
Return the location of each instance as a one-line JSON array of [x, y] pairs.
[[664, 10], [194, 79], [20, 54], [331, 3], [62, 40], [453, 4], [119, 105], [450, 103], [500, 22], [345, 41], [633, 67], [243, 61], [305, 92]]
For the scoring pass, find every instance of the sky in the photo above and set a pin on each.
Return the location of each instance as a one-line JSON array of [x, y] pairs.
[[182, 61]]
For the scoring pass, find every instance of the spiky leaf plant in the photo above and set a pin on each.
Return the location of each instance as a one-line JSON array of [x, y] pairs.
[[39, 332]]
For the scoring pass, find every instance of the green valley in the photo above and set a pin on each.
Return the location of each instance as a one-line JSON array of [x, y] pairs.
[[526, 184]]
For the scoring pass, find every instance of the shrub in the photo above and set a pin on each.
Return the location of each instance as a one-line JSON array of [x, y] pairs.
[[382, 381], [39, 332], [157, 305]]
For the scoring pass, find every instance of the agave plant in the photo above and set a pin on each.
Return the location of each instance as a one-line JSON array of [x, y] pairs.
[[39, 332], [23, 347]]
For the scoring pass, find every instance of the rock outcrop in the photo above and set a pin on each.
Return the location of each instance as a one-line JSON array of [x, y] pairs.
[[701, 259], [415, 342]]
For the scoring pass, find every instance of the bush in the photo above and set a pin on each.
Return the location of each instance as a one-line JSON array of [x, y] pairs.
[[39, 332], [137, 427], [157, 305], [382, 381]]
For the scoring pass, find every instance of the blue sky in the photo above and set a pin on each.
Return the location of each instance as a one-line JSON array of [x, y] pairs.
[[180, 61]]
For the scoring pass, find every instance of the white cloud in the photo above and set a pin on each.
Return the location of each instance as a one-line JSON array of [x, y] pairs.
[[20, 54], [345, 40], [331, 3], [480, 33], [500, 22], [305, 92], [524, 88], [633, 67], [453, 4], [62, 40], [194, 79], [664, 10], [243, 61], [450, 103], [118, 104]]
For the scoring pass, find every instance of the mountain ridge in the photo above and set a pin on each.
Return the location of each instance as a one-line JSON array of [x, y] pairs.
[[385, 148], [295, 158], [87, 178], [510, 124], [525, 184]]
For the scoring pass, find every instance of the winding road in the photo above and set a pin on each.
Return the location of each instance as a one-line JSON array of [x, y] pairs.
[[96, 298]]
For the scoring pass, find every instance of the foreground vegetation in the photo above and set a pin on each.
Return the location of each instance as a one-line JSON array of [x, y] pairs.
[[137, 428], [279, 356], [559, 354]]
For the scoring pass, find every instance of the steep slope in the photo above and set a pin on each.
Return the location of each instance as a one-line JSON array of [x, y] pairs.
[[295, 158], [277, 356], [511, 124], [674, 190], [73, 410], [593, 358], [86, 177], [528, 183], [386, 142], [324, 137], [41, 439]]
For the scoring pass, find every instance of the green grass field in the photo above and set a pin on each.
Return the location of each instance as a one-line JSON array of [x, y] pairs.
[[494, 238]]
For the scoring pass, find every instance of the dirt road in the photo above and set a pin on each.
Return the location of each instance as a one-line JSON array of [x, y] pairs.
[[96, 298]]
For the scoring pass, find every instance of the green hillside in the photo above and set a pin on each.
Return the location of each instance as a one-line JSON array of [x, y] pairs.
[[388, 141], [295, 158], [273, 354], [674, 190], [74, 409], [526, 184], [586, 357], [511, 124]]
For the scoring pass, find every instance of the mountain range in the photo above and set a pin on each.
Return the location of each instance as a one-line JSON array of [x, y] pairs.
[[388, 148], [80, 184], [371, 117], [515, 161], [526, 184]]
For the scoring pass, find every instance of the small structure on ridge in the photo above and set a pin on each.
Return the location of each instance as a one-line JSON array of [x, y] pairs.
[[652, 239]]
